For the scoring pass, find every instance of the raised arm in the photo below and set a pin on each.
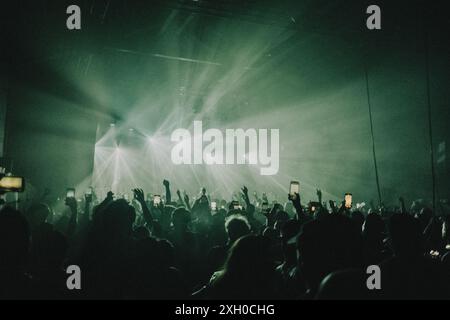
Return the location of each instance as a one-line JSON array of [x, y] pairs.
[[332, 206], [87, 208], [72, 225], [168, 194], [139, 196], [296, 202], [180, 199], [248, 206], [319, 196], [186, 202], [402, 204]]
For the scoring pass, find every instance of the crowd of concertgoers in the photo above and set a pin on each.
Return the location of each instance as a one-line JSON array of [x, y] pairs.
[[184, 249]]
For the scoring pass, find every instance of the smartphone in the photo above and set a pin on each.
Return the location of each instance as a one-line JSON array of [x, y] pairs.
[[70, 193], [213, 205], [156, 199], [348, 200], [294, 188], [12, 184]]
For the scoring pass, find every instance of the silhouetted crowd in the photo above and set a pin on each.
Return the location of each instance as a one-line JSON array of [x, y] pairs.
[[203, 248]]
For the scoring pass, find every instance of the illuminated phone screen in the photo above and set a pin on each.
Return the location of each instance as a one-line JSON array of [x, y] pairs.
[[12, 184], [348, 200], [70, 193], [294, 188]]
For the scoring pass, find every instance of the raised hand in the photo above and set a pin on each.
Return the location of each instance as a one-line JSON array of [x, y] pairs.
[[110, 196], [342, 208], [139, 195], [186, 199], [319, 195], [166, 183], [72, 224], [296, 202]]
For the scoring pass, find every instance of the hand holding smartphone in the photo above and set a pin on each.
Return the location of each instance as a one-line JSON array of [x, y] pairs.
[[294, 189], [70, 193], [12, 184]]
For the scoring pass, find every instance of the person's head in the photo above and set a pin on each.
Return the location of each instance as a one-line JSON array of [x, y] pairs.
[[37, 214], [289, 208], [141, 233], [328, 245], [51, 247], [166, 253], [219, 217], [373, 226], [147, 253], [14, 239], [236, 226], [321, 213], [358, 220], [118, 218], [348, 284], [405, 234], [424, 217], [288, 233], [446, 229], [272, 234], [280, 219], [180, 219], [168, 210], [312, 246], [232, 212], [248, 257]]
